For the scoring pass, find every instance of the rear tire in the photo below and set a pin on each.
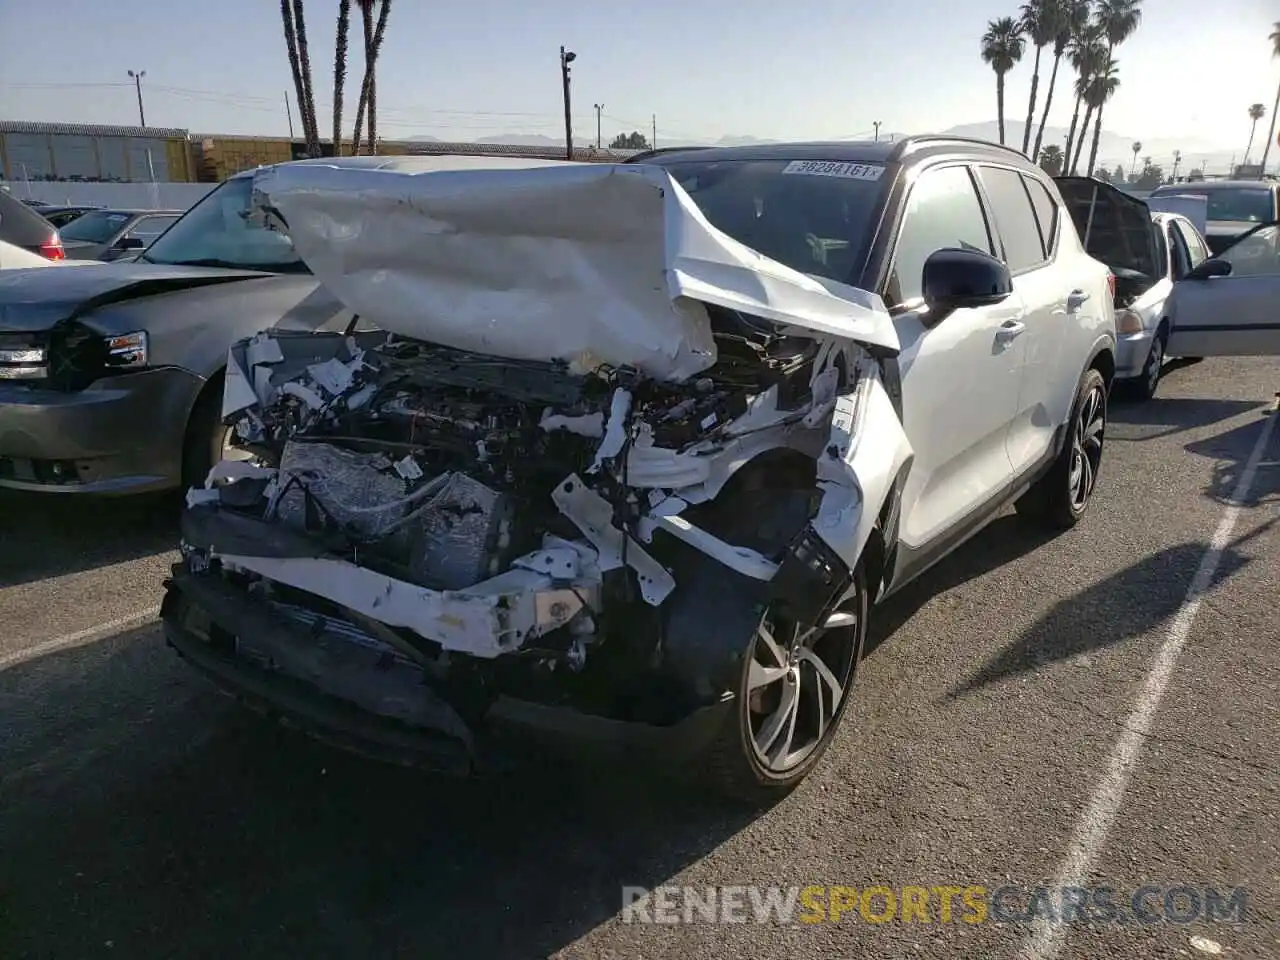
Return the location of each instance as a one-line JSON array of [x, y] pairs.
[[1060, 498]]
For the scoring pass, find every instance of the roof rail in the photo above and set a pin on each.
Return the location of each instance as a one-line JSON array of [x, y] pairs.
[[907, 144]]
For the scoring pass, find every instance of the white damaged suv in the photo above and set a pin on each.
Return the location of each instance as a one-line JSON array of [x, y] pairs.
[[623, 455]]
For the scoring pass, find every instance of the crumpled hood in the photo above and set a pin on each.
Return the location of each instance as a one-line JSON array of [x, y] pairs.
[[588, 263], [34, 300]]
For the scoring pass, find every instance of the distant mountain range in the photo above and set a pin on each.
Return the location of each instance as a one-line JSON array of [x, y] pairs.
[[1113, 148]]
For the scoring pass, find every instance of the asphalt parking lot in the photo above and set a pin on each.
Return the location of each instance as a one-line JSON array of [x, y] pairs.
[[1033, 713]]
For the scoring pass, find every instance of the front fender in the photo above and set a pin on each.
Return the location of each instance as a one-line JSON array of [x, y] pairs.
[[859, 469]]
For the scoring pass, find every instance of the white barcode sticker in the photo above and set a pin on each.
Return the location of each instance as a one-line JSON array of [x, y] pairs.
[[835, 168]]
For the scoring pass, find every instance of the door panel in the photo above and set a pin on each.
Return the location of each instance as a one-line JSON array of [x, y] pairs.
[[1236, 315]]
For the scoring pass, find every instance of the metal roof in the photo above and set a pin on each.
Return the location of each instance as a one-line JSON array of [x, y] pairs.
[[89, 129]]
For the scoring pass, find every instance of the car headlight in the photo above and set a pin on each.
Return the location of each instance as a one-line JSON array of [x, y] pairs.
[[1127, 321], [128, 351]]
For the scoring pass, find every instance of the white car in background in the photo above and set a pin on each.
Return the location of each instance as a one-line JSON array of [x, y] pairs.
[[13, 257], [1148, 253]]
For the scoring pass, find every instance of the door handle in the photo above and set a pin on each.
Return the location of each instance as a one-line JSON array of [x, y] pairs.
[[1009, 330], [1075, 298]]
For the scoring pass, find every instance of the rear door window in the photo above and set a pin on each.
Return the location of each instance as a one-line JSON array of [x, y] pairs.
[[1015, 218], [942, 211], [1046, 208]]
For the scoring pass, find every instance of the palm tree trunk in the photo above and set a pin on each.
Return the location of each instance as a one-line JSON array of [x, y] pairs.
[[1031, 104], [366, 21], [378, 34], [1071, 137], [1253, 129], [1048, 102], [340, 72], [291, 42], [308, 106], [1000, 104], [1271, 135], [1097, 133], [1084, 132]]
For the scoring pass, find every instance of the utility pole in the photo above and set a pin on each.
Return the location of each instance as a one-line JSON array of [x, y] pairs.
[[599, 107], [288, 113], [137, 82], [653, 142], [876, 124], [1177, 160], [567, 57]]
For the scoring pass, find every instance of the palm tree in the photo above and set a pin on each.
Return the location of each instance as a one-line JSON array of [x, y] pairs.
[[1039, 18], [1102, 88], [340, 72], [1256, 112], [1119, 20], [1086, 52], [1137, 145], [1002, 47], [369, 87], [295, 39], [1071, 16], [1271, 136], [1051, 160]]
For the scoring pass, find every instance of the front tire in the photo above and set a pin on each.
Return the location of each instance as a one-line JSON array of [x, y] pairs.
[[207, 437], [1143, 387], [1060, 498], [793, 686]]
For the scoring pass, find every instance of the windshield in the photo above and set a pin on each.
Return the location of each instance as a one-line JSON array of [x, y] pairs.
[[1252, 204], [814, 217], [218, 231], [98, 226]]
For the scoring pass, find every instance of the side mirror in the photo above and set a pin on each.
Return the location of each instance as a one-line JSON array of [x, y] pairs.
[[955, 279], [129, 243], [1210, 268]]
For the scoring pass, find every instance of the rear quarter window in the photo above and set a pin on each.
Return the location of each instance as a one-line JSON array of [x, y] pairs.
[[1046, 209], [1015, 218]]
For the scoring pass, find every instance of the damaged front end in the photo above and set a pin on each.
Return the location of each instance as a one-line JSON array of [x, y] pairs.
[[417, 545]]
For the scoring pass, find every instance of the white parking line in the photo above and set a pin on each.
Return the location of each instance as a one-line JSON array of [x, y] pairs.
[[1094, 824], [80, 637]]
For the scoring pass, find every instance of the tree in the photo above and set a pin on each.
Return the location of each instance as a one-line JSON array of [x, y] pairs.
[[1071, 17], [1039, 19], [1152, 175], [1118, 176], [368, 101], [340, 72], [1136, 147], [635, 140], [1002, 47], [1106, 177], [1051, 160], [1256, 112], [1275, 52], [295, 39], [1119, 20], [1087, 52], [1101, 89]]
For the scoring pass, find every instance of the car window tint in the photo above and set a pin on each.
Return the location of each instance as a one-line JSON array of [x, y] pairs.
[[1015, 218], [1046, 209], [1196, 249], [148, 228], [1181, 256], [942, 211], [1257, 255], [1163, 247]]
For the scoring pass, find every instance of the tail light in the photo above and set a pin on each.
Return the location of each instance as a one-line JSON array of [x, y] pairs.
[[51, 249], [1111, 284]]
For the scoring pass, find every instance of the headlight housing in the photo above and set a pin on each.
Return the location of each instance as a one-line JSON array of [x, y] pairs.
[[127, 351], [1129, 322]]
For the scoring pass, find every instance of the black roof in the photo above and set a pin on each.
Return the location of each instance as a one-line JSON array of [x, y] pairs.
[[851, 151]]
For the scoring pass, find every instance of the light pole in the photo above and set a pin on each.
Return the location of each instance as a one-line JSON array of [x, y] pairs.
[[876, 124], [599, 107], [567, 57], [137, 82]]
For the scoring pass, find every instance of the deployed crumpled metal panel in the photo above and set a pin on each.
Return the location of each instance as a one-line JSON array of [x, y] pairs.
[[587, 263]]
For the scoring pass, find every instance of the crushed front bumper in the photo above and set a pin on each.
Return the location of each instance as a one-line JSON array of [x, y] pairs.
[[204, 616], [122, 434]]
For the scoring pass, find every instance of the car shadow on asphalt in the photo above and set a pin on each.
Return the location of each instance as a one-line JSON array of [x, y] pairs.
[[1175, 414], [1231, 450], [143, 815], [1123, 606], [45, 536]]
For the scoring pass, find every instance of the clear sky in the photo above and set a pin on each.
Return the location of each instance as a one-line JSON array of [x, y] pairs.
[[461, 69]]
